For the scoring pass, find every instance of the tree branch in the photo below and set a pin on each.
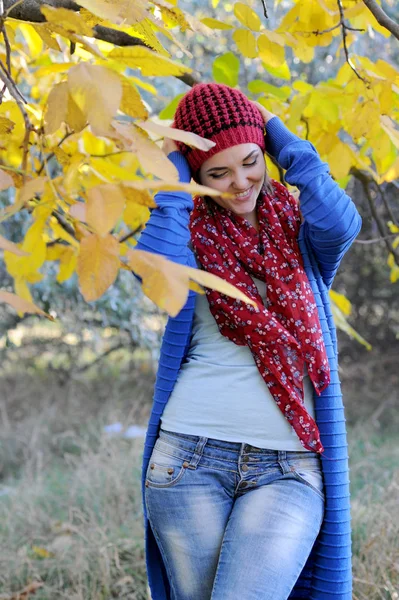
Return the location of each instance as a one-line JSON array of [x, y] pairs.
[[344, 28], [29, 10], [366, 179], [382, 17]]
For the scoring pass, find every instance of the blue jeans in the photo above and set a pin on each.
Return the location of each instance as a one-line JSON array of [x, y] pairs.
[[232, 522]]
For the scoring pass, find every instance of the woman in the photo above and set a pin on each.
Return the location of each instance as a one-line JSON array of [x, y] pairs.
[[245, 463]]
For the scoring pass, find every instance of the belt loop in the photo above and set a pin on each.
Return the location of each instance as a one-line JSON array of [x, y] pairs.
[[199, 448], [283, 462]]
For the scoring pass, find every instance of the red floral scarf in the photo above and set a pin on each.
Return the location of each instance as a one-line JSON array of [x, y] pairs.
[[284, 333]]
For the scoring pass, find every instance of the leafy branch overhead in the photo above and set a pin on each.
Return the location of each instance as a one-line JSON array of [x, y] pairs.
[[81, 157]]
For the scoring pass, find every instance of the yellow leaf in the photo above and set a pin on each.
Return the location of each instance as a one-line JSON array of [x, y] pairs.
[[135, 215], [11, 247], [97, 91], [31, 188], [105, 204], [117, 11], [115, 168], [149, 62], [75, 117], [270, 52], [68, 262], [53, 69], [173, 15], [131, 102], [34, 248], [246, 42], [60, 233], [98, 265], [304, 53], [167, 283], [392, 227], [6, 180], [191, 188], [342, 323], [45, 33], [57, 107], [247, 16], [141, 197], [21, 305], [151, 157], [69, 20], [187, 137], [215, 24], [388, 126], [22, 290], [63, 158], [67, 257], [78, 211], [144, 85], [340, 160], [32, 38], [342, 302], [145, 32], [384, 152], [320, 104], [6, 125]]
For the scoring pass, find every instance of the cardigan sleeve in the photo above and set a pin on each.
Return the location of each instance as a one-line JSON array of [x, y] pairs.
[[331, 220], [166, 231]]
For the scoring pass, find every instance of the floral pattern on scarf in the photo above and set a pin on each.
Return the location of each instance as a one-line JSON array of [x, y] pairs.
[[284, 332]]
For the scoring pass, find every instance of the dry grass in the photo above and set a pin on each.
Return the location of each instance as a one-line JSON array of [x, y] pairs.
[[375, 514], [72, 516]]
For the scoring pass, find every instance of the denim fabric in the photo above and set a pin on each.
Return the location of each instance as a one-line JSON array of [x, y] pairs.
[[233, 522]]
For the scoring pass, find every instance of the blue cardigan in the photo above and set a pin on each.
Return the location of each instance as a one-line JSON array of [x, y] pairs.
[[330, 224]]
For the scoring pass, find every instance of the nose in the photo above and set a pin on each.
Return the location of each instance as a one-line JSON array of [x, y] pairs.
[[240, 181]]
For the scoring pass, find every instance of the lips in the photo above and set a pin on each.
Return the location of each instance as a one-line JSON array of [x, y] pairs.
[[246, 196]]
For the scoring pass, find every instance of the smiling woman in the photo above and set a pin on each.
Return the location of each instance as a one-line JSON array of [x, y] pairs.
[[245, 475], [241, 171]]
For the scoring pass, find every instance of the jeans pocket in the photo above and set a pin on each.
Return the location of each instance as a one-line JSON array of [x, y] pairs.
[[165, 469], [307, 469]]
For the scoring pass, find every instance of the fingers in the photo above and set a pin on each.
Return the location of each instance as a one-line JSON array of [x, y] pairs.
[[169, 146], [266, 114]]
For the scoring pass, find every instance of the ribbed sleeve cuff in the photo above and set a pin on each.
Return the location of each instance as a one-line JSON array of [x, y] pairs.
[[278, 136], [181, 165]]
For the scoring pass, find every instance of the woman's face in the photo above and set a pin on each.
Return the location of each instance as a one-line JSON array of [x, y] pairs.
[[239, 170]]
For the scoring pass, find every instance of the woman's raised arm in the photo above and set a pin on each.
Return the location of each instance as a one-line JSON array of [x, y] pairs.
[[166, 231], [331, 220]]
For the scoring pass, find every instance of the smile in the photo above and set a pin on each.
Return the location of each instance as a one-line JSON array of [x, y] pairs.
[[244, 195]]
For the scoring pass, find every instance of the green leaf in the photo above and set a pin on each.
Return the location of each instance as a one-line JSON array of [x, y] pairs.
[[225, 69], [257, 86], [169, 111]]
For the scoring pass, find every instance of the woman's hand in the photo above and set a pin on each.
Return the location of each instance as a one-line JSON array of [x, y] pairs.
[[169, 146], [266, 114]]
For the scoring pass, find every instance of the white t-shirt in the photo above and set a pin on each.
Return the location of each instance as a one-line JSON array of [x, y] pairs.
[[220, 393]]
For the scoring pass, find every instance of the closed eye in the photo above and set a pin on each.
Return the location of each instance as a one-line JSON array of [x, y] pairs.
[[219, 176]]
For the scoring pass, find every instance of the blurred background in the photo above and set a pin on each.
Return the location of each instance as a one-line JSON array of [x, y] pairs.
[[75, 396]]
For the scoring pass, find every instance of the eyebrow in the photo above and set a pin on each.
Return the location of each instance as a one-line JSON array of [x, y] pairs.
[[225, 168]]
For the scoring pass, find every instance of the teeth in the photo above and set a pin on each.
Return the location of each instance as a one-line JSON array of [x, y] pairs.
[[243, 194]]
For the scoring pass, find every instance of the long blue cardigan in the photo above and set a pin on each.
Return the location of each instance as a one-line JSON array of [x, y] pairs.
[[330, 224]]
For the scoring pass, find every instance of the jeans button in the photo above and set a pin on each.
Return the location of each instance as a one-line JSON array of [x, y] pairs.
[[244, 468], [243, 484], [245, 459]]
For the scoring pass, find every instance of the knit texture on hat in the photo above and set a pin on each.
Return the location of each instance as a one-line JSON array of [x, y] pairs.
[[221, 114]]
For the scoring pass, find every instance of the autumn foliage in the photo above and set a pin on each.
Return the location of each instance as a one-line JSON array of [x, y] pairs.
[[81, 155]]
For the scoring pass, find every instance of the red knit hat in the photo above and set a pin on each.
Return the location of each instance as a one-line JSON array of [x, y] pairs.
[[221, 114]]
